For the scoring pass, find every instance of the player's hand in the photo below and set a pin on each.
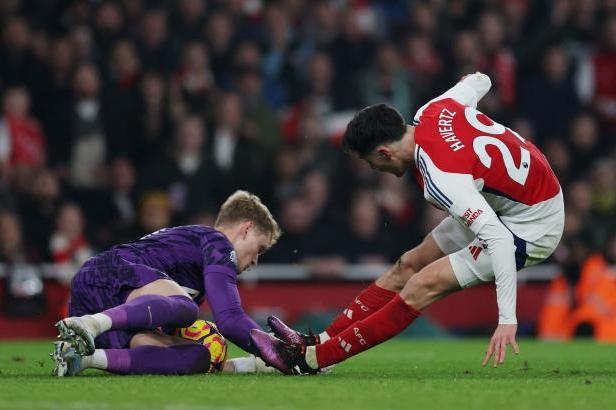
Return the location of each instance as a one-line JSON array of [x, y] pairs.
[[503, 335]]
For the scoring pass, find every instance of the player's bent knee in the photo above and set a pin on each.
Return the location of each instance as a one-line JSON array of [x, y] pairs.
[[186, 309], [420, 290], [409, 263], [395, 279]]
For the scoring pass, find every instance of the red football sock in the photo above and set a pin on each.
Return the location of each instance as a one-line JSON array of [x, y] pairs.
[[382, 325], [367, 302]]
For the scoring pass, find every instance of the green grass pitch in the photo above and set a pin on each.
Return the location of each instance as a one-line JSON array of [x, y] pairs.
[[401, 374]]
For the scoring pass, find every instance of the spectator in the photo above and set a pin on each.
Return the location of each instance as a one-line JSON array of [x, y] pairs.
[[260, 123], [322, 97], [604, 64], [55, 98], [388, 82], [189, 19], [279, 47], [367, 241], [285, 173], [38, 208], [230, 147], [402, 210], [350, 49], [579, 203], [155, 212], [112, 211], [21, 138], [18, 65], [315, 146], [467, 56], [23, 293], [499, 62], [185, 174], [585, 141], [560, 159], [193, 84], [121, 98], [319, 30], [549, 99], [422, 60], [219, 32], [82, 41], [306, 242], [86, 147], [153, 119], [155, 48], [316, 190], [68, 244], [109, 27], [13, 249], [296, 221], [422, 19], [604, 189]]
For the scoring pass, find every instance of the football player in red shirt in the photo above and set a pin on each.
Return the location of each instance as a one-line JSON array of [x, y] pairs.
[[505, 210]]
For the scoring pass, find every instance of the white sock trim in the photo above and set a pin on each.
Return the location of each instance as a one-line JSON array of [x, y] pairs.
[[98, 360], [311, 357], [244, 364], [98, 322], [104, 321], [264, 368]]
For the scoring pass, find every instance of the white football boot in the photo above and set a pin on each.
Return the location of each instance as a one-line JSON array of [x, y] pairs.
[[68, 361], [76, 331]]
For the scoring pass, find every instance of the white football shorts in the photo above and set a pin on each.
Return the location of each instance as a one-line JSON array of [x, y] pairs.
[[471, 262]]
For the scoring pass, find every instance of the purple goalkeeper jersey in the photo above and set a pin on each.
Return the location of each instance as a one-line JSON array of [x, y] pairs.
[[201, 260]]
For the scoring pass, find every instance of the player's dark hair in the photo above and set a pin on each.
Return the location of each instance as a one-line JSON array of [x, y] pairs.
[[374, 125]]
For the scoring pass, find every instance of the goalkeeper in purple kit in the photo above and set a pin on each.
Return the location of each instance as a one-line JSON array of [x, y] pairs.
[[121, 297]]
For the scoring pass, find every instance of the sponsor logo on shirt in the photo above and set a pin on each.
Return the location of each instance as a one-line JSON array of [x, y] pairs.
[[470, 216]]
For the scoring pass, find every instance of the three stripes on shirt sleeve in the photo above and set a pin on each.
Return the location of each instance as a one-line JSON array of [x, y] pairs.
[[432, 188]]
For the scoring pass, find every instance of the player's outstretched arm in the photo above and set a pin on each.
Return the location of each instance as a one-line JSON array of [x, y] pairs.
[[458, 195], [225, 303], [468, 91], [499, 241]]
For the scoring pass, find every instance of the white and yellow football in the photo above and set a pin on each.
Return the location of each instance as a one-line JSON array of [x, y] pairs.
[[207, 334]]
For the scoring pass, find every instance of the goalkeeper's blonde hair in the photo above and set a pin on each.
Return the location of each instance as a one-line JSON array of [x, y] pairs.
[[243, 206]]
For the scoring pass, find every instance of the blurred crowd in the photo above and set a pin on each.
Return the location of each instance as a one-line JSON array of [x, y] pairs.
[[122, 117]]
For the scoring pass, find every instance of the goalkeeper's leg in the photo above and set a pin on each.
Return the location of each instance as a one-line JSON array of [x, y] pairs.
[[429, 285], [179, 359], [149, 353], [159, 303], [383, 290]]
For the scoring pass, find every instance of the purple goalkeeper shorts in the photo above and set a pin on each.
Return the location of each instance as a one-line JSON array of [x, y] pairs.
[[103, 282]]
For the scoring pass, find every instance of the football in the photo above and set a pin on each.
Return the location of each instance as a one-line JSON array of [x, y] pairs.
[[207, 334]]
